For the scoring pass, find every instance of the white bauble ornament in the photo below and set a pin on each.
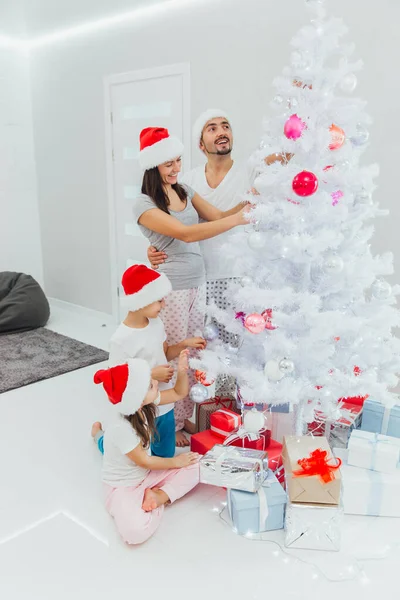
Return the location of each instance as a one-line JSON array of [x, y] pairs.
[[381, 289], [256, 240], [272, 371], [246, 281], [333, 264], [254, 421]]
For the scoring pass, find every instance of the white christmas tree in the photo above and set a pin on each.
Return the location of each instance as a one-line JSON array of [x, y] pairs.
[[313, 316]]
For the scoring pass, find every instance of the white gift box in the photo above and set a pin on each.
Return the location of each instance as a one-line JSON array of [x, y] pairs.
[[313, 526], [374, 451], [367, 492]]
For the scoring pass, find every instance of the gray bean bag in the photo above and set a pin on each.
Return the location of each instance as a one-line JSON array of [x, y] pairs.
[[23, 305]]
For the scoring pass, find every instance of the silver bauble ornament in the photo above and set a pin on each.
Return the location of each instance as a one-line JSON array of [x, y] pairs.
[[198, 393], [286, 366], [361, 136], [210, 332]]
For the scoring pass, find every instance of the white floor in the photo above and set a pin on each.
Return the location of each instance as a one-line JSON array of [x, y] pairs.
[[58, 542]]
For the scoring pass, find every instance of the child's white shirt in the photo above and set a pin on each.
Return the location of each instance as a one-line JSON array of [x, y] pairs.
[[119, 470], [146, 343]]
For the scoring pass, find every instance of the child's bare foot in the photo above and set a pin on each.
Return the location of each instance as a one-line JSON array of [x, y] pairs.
[[181, 440], [96, 427], [189, 427], [153, 499]]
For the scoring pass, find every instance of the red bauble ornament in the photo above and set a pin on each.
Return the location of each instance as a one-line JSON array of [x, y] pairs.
[[305, 184], [201, 377]]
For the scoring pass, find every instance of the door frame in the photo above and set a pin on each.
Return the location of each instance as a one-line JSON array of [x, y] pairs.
[[121, 78]]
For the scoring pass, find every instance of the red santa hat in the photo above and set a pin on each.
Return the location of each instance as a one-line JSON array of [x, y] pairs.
[[202, 120], [143, 286], [158, 147], [126, 385]]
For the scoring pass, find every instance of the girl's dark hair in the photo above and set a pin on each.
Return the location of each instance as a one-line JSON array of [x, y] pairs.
[[152, 186], [144, 423]]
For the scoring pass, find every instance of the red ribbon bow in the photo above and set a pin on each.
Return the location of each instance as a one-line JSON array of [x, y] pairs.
[[317, 464]]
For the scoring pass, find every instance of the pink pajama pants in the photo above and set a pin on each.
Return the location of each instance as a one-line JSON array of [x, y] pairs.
[[125, 503], [183, 317]]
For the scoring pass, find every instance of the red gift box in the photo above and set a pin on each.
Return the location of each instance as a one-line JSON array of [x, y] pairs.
[[262, 443], [224, 421], [203, 442], [207, 408]]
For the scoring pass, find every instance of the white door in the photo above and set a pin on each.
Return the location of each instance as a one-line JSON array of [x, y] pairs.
[[151, 98]]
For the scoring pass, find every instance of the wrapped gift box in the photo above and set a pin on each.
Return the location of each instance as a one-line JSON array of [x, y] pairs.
[[234, 468], [313, 526], [380, 419], [337, 429], [206, 409], [224, 421], [204, 441], [241, 439], [281, 424], [312, 473], [374, 451], [260, 511], [367, 492]]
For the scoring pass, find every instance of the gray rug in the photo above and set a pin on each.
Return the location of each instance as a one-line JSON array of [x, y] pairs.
[[41, 354]]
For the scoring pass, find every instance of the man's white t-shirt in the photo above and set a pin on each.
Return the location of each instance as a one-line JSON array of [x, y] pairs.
[[147, 343], [118, 470], [227, 195]]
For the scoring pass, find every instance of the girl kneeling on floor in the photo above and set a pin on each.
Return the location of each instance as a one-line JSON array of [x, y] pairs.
[[138, 485]]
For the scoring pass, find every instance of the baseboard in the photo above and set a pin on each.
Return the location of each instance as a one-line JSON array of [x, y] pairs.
[[76, 309]]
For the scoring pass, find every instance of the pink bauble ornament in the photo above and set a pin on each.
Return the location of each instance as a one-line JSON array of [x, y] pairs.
[[254, 323], [294, 127], [336, 196], [338, 137], [267, 316], [305, 184]]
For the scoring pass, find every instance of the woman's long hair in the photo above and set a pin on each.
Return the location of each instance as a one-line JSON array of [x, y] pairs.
[[144, 423], [152, 186]]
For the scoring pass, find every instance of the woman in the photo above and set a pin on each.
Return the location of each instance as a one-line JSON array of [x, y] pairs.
[[168, 215]]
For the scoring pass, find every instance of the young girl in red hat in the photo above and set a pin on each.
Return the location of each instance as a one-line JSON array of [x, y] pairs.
[[137, 485]]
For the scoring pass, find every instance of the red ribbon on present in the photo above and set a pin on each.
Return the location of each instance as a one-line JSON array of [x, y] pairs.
[[317, 464]]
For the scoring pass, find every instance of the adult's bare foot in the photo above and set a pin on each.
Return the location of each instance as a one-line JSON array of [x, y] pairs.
[[189, 427], [181, 440], [96, 427]]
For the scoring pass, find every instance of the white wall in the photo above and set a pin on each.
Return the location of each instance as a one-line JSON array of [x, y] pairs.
[[20, 245], [235, 49]]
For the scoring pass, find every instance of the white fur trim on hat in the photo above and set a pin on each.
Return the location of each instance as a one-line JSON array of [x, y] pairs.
[[160, 152], [137, 386], [151, 292], [202, 120]]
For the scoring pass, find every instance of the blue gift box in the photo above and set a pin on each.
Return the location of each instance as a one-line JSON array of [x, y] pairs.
[[244, 507], [376, 416]]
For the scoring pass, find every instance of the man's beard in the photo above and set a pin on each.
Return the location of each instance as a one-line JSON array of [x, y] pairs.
[[220, 152]]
